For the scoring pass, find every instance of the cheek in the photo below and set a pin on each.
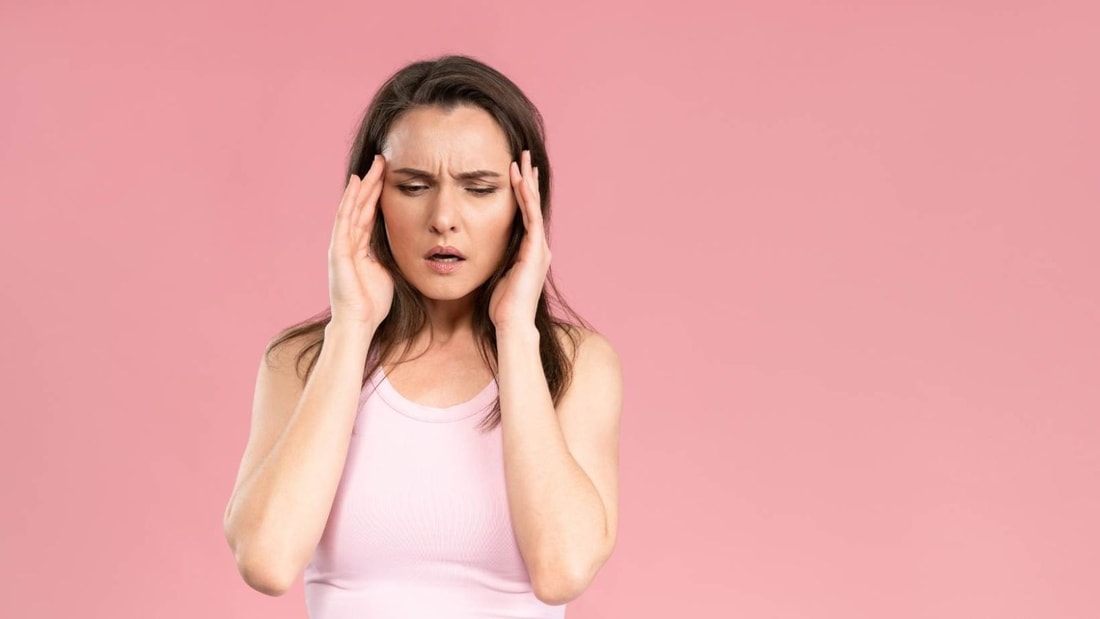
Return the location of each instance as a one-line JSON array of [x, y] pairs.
[[498, 224], [502, 233], [396, 226]]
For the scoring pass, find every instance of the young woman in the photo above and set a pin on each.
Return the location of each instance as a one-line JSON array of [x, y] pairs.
[[451, 448]]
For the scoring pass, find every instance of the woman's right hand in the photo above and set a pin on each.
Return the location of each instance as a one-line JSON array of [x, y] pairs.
[[360, 288]]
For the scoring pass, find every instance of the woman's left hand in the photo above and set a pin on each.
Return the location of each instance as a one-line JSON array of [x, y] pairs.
[[516, 295]]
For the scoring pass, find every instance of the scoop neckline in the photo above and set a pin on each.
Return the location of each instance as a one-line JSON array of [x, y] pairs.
[[435, 414]]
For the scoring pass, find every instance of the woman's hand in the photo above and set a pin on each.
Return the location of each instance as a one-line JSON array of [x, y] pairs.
[[360, 288], [516, 295]]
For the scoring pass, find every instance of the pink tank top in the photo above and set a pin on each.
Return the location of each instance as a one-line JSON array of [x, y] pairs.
[[420, 526]]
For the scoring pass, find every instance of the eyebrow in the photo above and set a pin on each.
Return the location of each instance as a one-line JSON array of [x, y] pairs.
[[476, 174]]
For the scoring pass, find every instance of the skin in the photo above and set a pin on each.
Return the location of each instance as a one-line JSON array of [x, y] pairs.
[[474, 216], [561, 463]]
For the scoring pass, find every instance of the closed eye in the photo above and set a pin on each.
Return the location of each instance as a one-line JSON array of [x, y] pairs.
[[414, 189]]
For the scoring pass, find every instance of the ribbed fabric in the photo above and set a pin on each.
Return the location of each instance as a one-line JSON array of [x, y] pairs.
[[420, 526]]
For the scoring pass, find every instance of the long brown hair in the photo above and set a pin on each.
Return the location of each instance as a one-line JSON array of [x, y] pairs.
[[449, 81]]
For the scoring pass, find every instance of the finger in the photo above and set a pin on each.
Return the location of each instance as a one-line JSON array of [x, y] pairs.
[[528, 172], [533, 220], [370, 210], [535, 227], [532, 183], [517, 185], [369, 196], [343, 213], [365, 186], [537, 213]]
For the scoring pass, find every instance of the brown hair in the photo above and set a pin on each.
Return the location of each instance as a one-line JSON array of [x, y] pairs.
[[447, 82]]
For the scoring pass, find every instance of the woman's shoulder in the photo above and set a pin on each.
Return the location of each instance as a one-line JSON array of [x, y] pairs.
[[577, 338]]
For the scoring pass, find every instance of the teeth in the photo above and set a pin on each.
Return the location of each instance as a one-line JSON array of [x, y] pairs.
[[445, 258]]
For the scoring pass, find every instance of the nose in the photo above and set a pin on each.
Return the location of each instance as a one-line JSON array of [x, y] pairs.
[[444, 211]]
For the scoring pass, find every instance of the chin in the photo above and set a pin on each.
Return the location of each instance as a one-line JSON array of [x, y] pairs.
[[449, 289]]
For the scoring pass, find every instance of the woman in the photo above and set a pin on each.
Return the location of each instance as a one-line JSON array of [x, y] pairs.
[[373, 473]]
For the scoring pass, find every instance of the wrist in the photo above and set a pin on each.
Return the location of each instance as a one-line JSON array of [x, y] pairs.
[[519, 331], [350, 330]]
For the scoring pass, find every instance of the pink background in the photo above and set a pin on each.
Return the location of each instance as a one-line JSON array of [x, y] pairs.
[[847, 251]]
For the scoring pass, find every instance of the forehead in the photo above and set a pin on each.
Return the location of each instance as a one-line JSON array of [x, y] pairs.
[[465, 136]]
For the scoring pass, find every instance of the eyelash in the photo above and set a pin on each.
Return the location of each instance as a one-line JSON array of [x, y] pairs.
[[481, 192]]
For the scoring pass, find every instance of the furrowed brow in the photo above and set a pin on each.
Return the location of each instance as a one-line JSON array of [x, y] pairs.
[[462, 176]]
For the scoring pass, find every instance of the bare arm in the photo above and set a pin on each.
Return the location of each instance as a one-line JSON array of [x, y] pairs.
[[561, 463], [295, 456]]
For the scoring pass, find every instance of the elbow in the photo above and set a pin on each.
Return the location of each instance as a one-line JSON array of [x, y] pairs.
[[555, 592], [557, 586], [262, 578], [260, 570], [560, 587]]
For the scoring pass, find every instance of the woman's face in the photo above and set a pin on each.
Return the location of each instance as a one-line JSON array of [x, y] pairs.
[[426, 203]]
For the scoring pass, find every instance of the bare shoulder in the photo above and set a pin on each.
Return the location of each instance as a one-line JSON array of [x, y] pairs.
[[590, 414], [594, 393], [588, 349], [279, 385], [287, 359]]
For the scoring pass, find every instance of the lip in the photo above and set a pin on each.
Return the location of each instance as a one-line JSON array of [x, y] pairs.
[[443, 268], [444, 249]]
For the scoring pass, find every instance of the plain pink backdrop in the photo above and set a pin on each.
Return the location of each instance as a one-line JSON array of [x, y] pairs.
[[847, 251]]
